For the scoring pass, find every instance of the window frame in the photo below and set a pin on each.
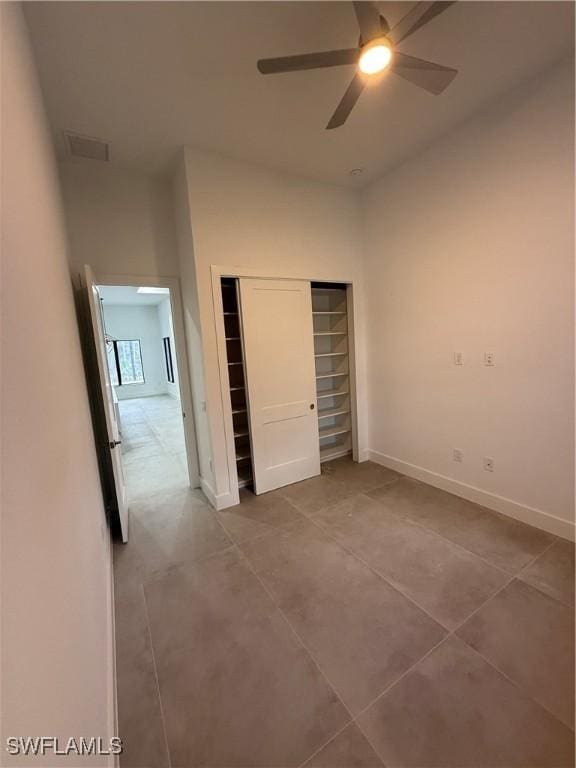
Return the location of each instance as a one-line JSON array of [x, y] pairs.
[[168, 359], [121, 383]]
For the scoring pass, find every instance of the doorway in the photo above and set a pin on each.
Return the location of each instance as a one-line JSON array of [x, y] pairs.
[[147, 365]]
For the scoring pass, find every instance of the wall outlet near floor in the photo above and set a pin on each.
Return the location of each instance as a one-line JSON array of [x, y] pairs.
[[458, 455], [458, 358], [488, 464], [489, 358]]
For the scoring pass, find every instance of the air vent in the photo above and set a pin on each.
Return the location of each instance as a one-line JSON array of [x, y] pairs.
[[84, 146]]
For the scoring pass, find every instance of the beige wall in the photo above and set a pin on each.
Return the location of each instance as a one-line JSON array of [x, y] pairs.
[[56, 600], [469, 247], [119, 222], [248, 217]]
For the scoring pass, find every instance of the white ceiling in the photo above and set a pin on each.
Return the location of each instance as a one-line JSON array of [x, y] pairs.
[[151, 77], [126, 294]]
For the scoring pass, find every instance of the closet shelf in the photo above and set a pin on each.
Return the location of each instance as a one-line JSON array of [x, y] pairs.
[[330, 412], [331, 393], [329, 452], [330, 333], [239, 362], [233, 314], [232, 338], [242, 456], [241, 433], [333, 431], [238, 410], [330, 375], [331, 354], [328, 313], [236, 389]]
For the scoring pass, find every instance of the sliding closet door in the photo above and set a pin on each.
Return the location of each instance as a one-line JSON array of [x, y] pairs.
[[280, 379]]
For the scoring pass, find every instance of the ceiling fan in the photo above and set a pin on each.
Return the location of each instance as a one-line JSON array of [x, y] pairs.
[[376, 51]]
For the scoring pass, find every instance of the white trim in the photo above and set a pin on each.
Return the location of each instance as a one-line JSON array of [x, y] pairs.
[[208, 491], [535, 517], [231, 497], [173, 284], [222, 500], [233, 493]]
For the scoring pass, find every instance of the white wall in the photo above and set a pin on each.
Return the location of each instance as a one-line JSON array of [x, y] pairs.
[[247, 216], [469, 247], [56, 600], [125, 322], [120, 222], [191, 312], [167, 329]]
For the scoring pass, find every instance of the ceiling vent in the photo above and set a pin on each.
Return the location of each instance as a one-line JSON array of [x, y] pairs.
[[84, 146]]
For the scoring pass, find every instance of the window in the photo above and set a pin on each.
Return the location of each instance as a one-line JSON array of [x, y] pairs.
[[125, 362], [168, 359]]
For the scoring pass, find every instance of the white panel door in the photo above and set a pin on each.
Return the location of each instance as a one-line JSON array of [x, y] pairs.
[[280, 381], [108, 400]]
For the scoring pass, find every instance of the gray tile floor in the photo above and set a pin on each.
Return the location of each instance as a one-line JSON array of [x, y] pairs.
[[355, 620], [153, 448]]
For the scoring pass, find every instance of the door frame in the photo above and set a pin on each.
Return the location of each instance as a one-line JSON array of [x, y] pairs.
[[217, 272], [173, 284]]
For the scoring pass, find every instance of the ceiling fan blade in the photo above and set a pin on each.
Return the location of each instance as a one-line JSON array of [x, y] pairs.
[[368, 20], [432, 77], [416, 18], [309, 61], [347, 102]]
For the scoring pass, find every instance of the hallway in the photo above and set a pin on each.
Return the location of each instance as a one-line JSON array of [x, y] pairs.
[[153, 447]]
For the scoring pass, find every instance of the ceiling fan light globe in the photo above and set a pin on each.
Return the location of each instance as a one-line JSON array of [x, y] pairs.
[[375, 57]]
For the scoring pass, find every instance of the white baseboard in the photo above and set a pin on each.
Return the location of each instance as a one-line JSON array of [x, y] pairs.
[[529, 515], [208, 492]]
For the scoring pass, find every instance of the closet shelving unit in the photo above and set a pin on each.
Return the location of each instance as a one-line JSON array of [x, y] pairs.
[[235, 361], [329, 312]]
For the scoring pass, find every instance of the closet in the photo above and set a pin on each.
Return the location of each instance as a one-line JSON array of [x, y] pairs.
[[331, 346], [235, 362], [287, 358]]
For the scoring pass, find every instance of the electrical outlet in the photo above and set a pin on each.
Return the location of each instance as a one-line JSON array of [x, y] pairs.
[[458, 455], [489, 358], [488, 464], [458, 358]]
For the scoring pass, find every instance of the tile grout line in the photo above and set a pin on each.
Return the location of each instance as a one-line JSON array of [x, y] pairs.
[[511, 576], [498, 591], [444, 639], [455, 543], [376, 573], [288, 623], [516, 685], [323, 746], [450, 632], [162, 717], [353, 718]]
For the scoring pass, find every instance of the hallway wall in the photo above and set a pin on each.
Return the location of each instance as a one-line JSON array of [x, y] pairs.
[[120, 222], [57, 646]]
